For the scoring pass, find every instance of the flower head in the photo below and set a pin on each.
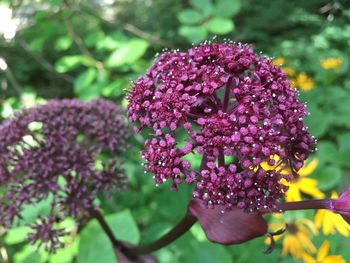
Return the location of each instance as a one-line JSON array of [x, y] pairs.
[[322, 255], [304, 184], [331, 63], [331, 222], [341, 205], [304, 82], [238, 111], [53, 151], [296, 236]]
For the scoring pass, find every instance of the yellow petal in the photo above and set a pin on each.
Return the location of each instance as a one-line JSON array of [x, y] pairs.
[[286, 245], [308, 259], [323, 251], [308, 186], [310, 224], [309, 168], [328, 224], [334, 195], [289, 71], [296, 250], [341, 225], [293, 194], [306, 242], [319, 217], [291, 246], [334, 259]]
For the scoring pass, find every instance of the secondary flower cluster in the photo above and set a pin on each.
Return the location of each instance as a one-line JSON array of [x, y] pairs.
[[55, 151], [239, 112]]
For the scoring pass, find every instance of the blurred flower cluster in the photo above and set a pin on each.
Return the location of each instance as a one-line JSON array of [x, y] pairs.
[[56, 152]]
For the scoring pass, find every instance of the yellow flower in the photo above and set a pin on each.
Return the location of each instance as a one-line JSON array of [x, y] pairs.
[[304, 82], [303, 184], [331, 222], [322, 256], [296, 240], [289, 71], [278, 61], [331, 63]]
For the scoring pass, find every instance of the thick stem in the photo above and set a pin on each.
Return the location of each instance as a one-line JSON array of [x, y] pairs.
[[98, 216], [227, 95], [221, 158], [204, 162], [301, 205], [181, 228]]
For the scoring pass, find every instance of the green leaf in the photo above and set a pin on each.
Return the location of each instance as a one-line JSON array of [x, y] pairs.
[[31, 212], [205, 252], [16, 235], [328, 177], [193, 34], [124, 226], [205, 6], [95, 247], [84, 80], [317, 121], [28, 254], [94, 38], [344, 142], [189, 16], [115, 88], [63, 43], [37, 44], [220, 25], [66, 254], [68, 63], [328, 152], [128, 53], [227, 8]]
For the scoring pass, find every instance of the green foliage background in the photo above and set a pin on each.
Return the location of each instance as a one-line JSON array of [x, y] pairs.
[[88, 49]]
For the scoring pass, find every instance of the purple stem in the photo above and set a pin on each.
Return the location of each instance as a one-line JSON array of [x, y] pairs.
[[301, 205], [181, 228], [98, 216], [221, 158], [227, 95]]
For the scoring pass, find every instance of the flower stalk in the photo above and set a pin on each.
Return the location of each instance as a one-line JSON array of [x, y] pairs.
[[177, 231], [99, 217]]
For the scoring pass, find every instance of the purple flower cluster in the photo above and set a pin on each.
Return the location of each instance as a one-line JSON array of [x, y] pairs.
[[57, 151], [239, 112]]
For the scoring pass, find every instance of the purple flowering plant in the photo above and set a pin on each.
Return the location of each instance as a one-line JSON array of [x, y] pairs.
[[240, 117], [50, 152], [244, 120]]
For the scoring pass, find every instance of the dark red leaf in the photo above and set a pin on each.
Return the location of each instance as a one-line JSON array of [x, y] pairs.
[[231, 227]]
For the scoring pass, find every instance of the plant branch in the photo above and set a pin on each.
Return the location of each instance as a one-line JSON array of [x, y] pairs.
[[300, 205], [44, 63], [80, 43], [11, 78], [154, 39], [181, 228], [227, 95], [98, 216]]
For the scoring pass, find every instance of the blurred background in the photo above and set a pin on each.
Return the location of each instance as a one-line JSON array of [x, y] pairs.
[[94, 48]]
